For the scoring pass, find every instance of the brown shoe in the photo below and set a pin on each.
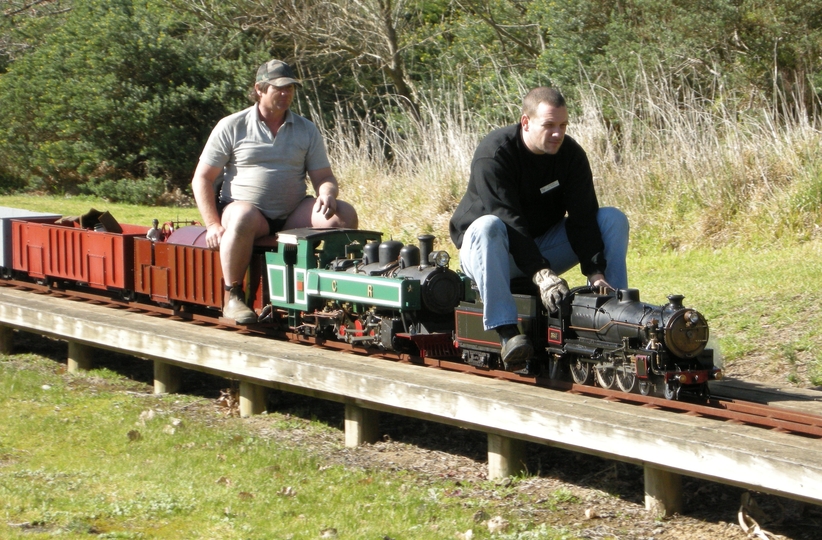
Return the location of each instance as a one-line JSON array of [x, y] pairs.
[[237, 309]]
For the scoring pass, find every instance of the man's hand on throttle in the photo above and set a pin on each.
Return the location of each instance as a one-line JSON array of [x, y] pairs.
[[552, 288], [598, 280]]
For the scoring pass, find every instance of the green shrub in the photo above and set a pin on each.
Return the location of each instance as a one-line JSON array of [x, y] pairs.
[[146, 191], [9, 183], [123, 88]]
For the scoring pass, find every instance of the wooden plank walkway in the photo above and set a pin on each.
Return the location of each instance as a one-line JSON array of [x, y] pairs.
[[665, 444]]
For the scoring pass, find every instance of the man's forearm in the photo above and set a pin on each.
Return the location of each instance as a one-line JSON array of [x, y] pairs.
[[328, 186], [206, 203]]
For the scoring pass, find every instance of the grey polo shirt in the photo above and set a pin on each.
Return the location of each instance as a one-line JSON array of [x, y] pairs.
[[269, 172]]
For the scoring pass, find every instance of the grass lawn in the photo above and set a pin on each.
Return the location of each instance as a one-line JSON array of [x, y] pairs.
[[97, 455], [124, 213]]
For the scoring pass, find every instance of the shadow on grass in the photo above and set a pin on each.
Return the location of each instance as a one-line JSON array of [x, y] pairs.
[[703, 500]]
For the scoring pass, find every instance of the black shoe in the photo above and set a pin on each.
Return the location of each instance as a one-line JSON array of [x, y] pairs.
[[531, 369], [516, 348]]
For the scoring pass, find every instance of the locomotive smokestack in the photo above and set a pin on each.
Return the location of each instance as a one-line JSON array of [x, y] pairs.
[[675, 300], [426, 247]]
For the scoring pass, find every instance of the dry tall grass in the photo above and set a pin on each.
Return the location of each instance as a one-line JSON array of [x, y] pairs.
[[405, 176], [692, 171], [689, 171]]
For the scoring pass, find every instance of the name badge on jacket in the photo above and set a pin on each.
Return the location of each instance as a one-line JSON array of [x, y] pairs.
[[545, 189]]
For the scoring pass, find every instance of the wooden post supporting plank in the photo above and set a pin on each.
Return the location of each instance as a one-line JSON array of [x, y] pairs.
[[6, 339], [166, 377], [506, 456], [663, 492], [252, 399], [80, 357], [361, 425]]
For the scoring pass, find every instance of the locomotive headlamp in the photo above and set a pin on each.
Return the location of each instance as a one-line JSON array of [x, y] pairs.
[[693, 317], [440, 258]]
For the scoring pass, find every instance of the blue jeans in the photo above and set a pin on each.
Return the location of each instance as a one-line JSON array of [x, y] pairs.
[[484, 257]]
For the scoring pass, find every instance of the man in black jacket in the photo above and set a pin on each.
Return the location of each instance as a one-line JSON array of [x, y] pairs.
[[531, 210]]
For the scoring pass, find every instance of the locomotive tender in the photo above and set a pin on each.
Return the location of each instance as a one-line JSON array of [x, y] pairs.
[[350, 286]]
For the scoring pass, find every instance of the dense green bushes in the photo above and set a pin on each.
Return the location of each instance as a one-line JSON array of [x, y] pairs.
[[105, 91], [147, 191], [121, 90]]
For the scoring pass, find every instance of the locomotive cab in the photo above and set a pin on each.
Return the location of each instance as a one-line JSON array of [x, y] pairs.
[[481, 348]]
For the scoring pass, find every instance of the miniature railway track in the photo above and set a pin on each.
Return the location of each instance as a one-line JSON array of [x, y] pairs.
[[729, 410], [742, 412]]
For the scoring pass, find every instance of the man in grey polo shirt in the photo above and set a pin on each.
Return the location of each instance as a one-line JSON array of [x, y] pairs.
[[260, 156]]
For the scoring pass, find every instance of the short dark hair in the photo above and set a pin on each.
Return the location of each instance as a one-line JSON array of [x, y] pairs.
[[253, 96], [541, 94]]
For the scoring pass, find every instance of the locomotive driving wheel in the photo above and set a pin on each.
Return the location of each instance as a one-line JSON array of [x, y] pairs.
[[626, 379], [581, 371], [606, 376]]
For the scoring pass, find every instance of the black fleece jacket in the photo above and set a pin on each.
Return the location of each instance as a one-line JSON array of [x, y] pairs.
[[530, 193]]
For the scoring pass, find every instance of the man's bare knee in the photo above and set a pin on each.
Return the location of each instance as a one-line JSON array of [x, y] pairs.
[[242, 218], [347, 215]]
